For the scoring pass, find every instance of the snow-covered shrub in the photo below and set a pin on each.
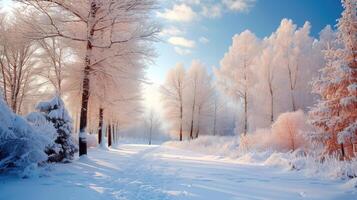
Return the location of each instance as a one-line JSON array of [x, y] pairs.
[[55, 112], [20, 145], [44, 127], [288, 133]]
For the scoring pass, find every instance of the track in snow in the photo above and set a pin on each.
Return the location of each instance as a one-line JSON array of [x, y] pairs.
[[141, 172]]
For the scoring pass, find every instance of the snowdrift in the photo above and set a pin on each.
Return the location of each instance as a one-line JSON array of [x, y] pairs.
[[228, 147]]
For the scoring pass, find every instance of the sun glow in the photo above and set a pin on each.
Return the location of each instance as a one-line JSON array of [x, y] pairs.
[[5, 5]]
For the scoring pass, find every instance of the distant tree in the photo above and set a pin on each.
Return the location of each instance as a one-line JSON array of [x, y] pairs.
[[198, 92], [173, 96], [268, 65], [234, 75], [152, 123]]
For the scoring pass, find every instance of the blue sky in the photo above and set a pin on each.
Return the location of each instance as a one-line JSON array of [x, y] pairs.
[[216, 27], [203, 29]]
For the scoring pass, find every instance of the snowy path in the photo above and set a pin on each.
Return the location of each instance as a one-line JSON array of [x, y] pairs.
[[140, 172]]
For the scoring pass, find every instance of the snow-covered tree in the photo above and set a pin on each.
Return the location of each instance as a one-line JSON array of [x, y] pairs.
[[335, 115], [234, 74], [21, 146], [17, 65], [267, 64], [152, 124], [173, 97], [289, 59], [222, 116], [55, 112], [198, 92], [97, 26], [56, 62]]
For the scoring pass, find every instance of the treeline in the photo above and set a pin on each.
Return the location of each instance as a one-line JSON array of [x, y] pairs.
[[284, 72], [91, 54]]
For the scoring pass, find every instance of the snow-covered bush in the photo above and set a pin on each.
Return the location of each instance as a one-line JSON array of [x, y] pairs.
[[44, 127], [55, 112], [21, 146], [288, 133]]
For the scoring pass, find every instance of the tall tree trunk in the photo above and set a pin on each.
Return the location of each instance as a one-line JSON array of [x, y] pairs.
[[117, 133], [100, 127], [113, 134], [193, 112], [85, 85], [191, 129], [150, 135], [293, 100], [245, 113], [342, 151], [181, 120], [198, 121], [271, 105], [4, 81], [292, 88], [83, 116], [109, 135]]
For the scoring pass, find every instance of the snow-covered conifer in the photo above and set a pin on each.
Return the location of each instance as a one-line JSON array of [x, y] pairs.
[[335, 114], [56, 113]]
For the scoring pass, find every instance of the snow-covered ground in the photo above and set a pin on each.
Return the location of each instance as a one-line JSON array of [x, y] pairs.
[[141, 172]]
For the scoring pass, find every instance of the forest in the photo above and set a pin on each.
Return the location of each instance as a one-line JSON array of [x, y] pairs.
[[277, 107]]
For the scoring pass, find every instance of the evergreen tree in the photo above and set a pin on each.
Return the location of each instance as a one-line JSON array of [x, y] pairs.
[[335, 115], [55, 112]]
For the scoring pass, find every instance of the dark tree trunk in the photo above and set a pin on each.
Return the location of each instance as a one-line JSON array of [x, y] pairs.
[[181, 119], [191, 129], [100, 127], [271, 105], [197, 131], [193, 113], [342, 151], [83, 116], [109, 135], [85, 85]]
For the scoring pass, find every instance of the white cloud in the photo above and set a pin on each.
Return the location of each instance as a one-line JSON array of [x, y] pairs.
[[171, 31], [182, 13], [182, 51], [212, 11], [238, 5], [181, 41], [203, 40], [194, 2]]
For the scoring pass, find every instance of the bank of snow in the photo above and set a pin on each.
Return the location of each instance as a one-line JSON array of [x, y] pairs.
[[228, 148]]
